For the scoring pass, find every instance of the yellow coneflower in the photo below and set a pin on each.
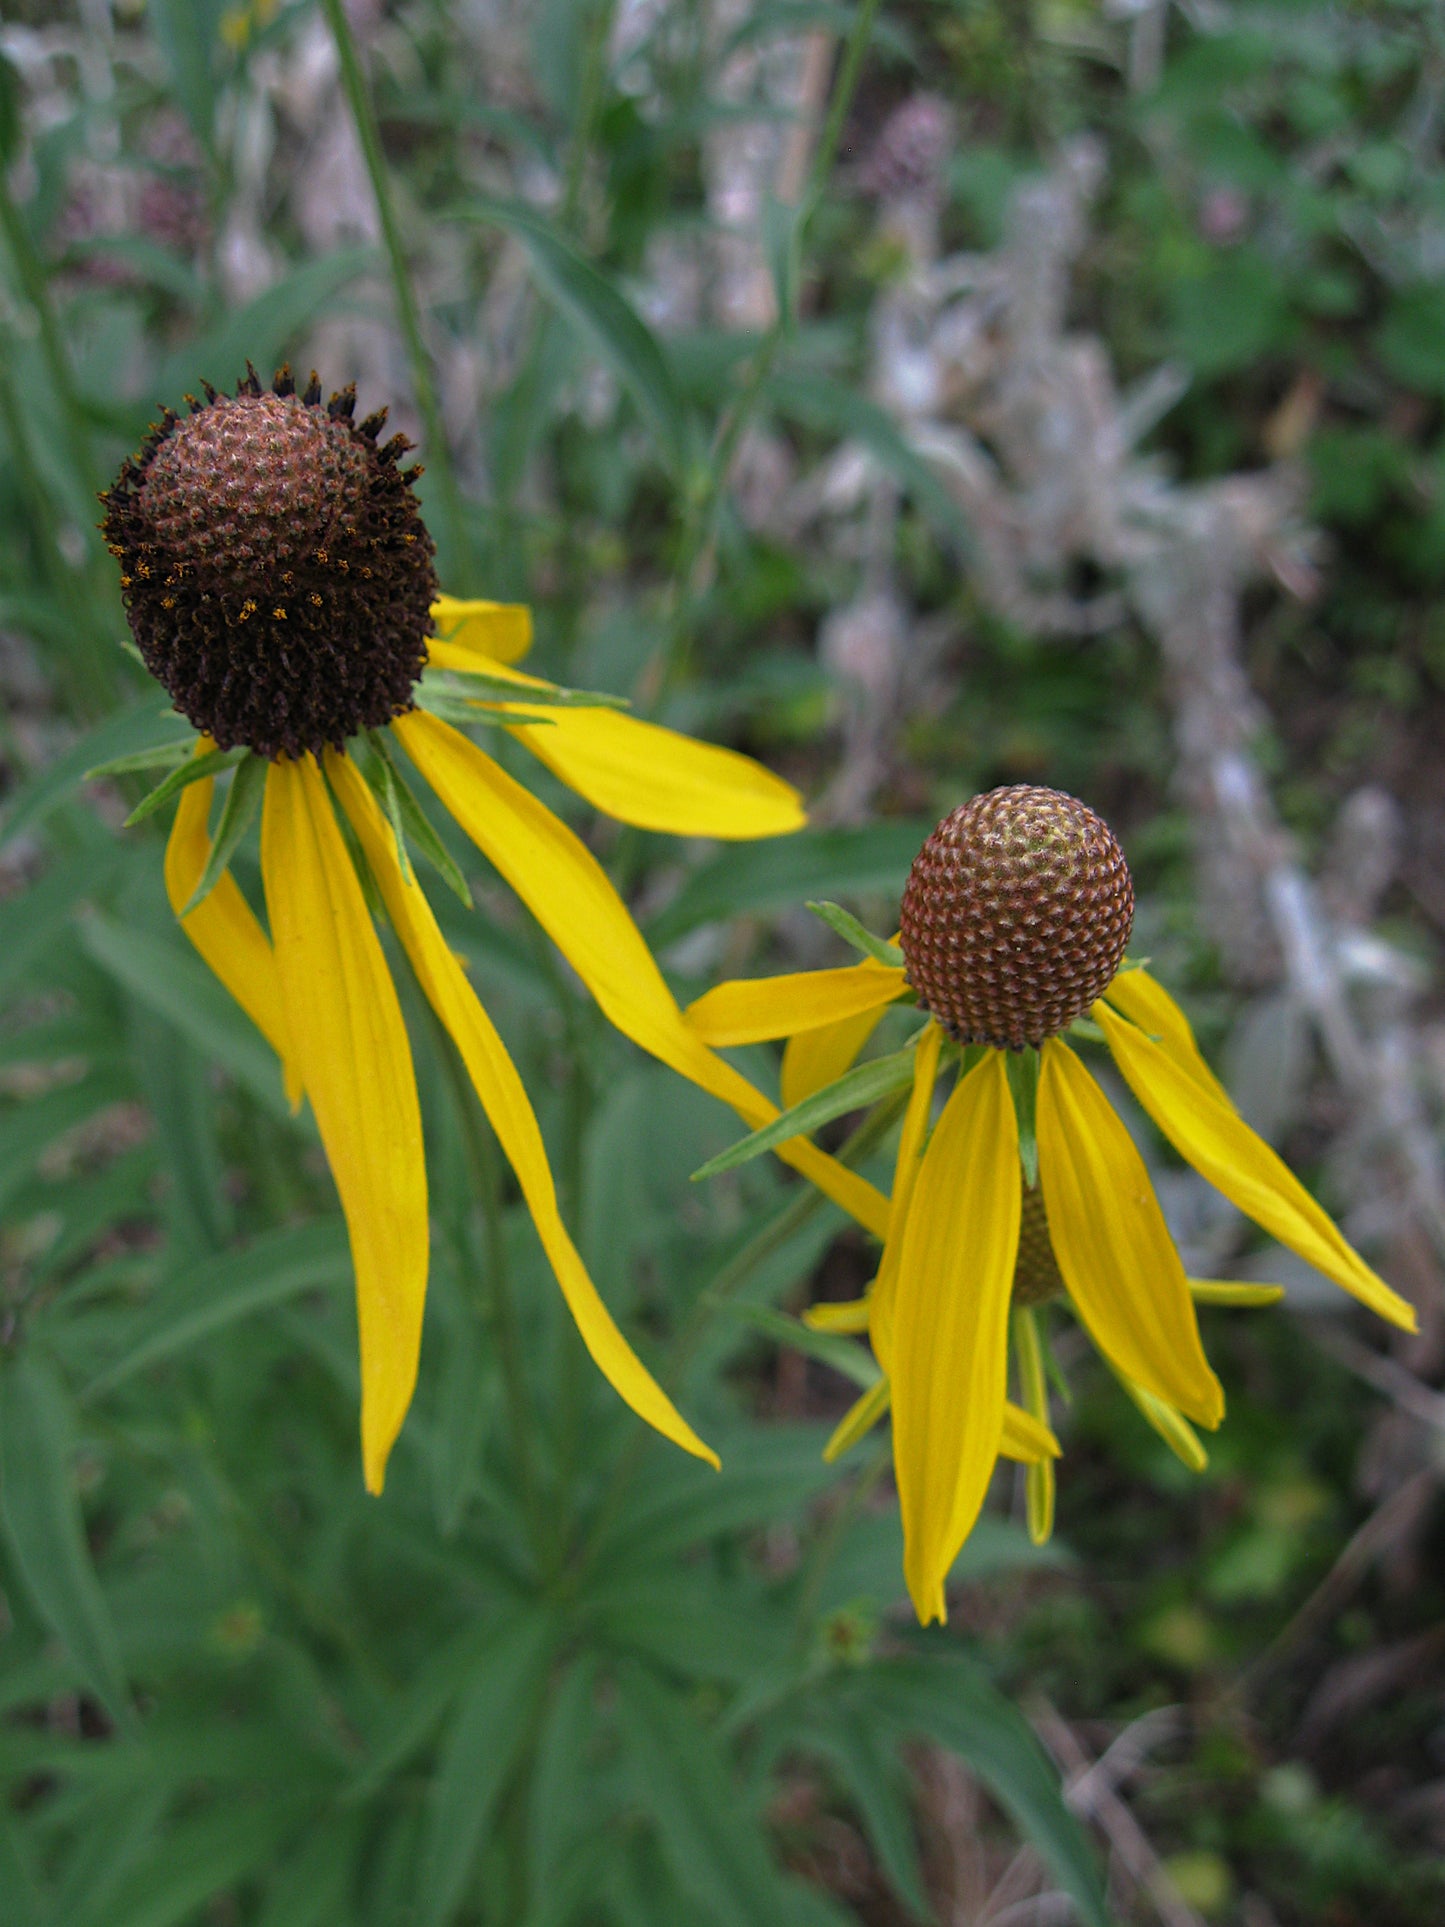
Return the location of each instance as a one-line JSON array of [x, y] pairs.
[[279, 582], [1014, 924]]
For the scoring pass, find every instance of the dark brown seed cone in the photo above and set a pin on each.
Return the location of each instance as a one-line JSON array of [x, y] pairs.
[[277, 576], [1015, 916], [1037, 1277]]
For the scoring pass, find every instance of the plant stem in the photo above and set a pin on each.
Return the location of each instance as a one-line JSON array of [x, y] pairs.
[[438, 452], [703, 508], [30, 270], [731, 1278], [495, 1295]]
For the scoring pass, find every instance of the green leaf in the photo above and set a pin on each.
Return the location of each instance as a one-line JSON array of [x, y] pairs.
[[44, 1529], [869, 1772], [217, 1292], [266, 327], [27, 1128], [948, 1697], [410, 1720], [199, 1857], [33, 922], [211, 764], [561, 1799], [781, 873], [855, 1090], [832, 1349], [596, 308], [167, 975], [715, 1849], [490, 1728], [409, 820], [852, 932], [44, 792], [243, 799], [1022, 1069], [764, 1476], [157, 756], [313, 1887], [465, 711], [12, 119], [184, 32], [818, 401], [479, 687], [25, 1904]]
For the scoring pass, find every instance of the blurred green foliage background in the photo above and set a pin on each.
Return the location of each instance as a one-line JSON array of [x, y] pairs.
[[233, 1689]]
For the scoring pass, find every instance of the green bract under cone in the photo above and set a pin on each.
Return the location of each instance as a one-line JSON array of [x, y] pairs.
[[277, 574]]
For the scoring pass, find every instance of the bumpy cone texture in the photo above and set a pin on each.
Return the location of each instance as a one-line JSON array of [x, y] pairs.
[[277, 576], [1037, 1277], [1015, 916]]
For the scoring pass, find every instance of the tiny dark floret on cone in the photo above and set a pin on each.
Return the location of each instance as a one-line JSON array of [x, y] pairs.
[[1015, 916], [277, 575]]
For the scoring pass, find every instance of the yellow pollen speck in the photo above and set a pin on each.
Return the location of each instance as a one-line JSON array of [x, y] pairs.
[[314, 599], [279, 612], [248, 609]]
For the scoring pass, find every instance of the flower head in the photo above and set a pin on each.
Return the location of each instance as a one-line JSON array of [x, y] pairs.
[[277, 575], [1027, 1187], [278, 581]]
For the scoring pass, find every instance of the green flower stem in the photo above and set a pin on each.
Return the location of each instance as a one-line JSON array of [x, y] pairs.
[[438, 451], [839, 1523], [91, 671], [725, 1282], [494, 1290], [30, 271], [704, 504], [594, 73]]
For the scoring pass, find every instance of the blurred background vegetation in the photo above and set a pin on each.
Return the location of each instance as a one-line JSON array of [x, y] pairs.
[[886, 391]]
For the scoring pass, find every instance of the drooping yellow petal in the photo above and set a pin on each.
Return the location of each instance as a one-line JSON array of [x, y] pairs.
[[950, 1326], [224, 928], [505, 1101], [638, 771], [501, 631], [830, 1316], [1023, 1438], [568, 892], [343, 1014], [641, 773], [859, 1419], [752, 1009], [1206, 1130], [911, 1142], [816, 1058], [1177, 1433], [1145, 1002], [1113, 1246], [1227, 1291]]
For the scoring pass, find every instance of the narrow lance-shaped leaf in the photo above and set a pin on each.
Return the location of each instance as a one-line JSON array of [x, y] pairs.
[[238, 813], [852, 1092], [857, 934], [158, 756], [409, 820], [42, 1522], [199, 767]]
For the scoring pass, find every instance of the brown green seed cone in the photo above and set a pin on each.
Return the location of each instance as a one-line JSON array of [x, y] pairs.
[[277, 575], [1015, 916], [1037, 1277]]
